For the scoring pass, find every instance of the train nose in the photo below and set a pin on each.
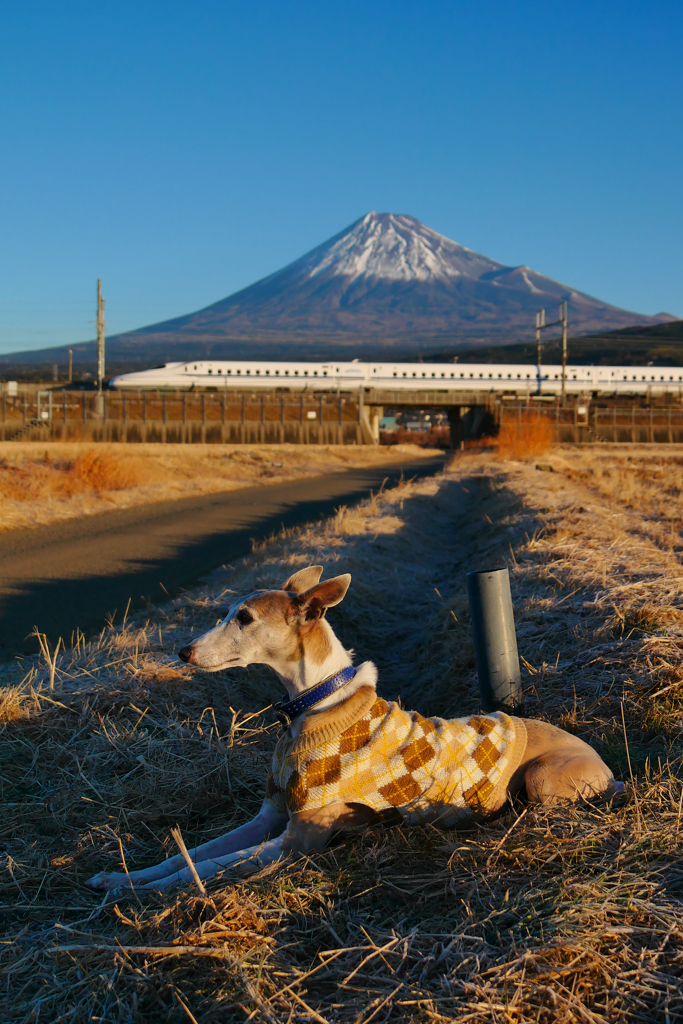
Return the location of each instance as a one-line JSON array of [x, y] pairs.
[[187, 653]]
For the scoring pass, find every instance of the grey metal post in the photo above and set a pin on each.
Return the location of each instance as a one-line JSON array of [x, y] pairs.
[[495, 643]]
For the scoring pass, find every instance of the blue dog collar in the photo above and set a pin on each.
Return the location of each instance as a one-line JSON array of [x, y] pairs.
[[288, 710]]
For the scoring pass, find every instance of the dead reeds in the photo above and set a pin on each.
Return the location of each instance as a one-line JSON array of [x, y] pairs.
[[544, 915], [525, 435]]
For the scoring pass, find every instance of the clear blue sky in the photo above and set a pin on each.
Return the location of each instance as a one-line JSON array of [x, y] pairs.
[[181, 150]]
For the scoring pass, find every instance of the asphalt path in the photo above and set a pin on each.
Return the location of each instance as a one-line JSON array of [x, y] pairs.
[[77, 572]]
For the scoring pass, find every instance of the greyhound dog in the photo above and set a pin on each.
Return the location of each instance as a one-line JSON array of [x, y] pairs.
[[348, 758]]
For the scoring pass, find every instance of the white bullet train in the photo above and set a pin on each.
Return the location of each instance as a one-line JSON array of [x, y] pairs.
[[525, 379]]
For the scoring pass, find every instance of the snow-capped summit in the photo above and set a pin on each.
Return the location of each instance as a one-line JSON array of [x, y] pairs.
[[395, 247], [385, 282]]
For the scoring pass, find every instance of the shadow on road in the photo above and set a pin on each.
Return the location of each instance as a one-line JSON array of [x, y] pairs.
[[74, 574]]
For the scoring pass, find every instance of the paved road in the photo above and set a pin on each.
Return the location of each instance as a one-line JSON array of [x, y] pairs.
[[74, 573]]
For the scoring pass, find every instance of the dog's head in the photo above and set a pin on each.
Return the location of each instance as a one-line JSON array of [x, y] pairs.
[[271, 627]]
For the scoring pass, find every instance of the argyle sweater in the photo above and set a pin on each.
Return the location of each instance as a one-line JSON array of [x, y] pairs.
[[371, 752]]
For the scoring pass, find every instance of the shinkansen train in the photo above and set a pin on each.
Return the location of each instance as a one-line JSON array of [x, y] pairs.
[[523, 379]]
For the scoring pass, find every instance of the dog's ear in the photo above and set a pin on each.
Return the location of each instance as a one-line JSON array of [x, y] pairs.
[[303, 579], [313, 604]]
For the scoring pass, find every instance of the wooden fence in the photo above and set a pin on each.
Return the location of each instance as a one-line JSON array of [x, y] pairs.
[[619, 425], [184, 417]]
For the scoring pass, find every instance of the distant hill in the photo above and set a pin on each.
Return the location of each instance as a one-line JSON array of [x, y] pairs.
[[659, 345], [386, 286]]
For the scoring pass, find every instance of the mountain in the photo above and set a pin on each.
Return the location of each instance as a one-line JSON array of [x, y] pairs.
[[386, 284]]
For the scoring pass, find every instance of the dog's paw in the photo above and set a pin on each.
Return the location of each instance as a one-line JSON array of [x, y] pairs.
[[617, 793], [107, 880]]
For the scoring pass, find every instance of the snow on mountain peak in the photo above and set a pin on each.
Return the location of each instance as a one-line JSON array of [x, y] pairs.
[[395, 247]]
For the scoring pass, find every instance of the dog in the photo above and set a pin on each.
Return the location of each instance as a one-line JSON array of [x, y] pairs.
[[347, 758]]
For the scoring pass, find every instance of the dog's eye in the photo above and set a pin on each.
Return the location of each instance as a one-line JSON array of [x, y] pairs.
[[244, 617]]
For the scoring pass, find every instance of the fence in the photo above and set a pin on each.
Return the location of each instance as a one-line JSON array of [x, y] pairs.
[[620, 425], [184, 417]]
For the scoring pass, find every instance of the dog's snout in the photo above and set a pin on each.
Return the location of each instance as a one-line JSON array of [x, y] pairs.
[[187, 653]]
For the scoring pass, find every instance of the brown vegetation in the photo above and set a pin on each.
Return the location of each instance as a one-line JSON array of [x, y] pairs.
[[91, 471], [525, 436], [40, 484], [544, 915]]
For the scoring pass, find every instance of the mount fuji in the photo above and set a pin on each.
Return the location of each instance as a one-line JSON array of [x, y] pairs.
[[387, 281], [386, 284]]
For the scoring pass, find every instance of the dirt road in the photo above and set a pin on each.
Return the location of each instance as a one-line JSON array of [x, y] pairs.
[[74, 573]]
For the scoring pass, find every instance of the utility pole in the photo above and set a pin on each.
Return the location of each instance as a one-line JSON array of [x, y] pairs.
[[541, 325], [71, 365], [100, 339], [563, 318]]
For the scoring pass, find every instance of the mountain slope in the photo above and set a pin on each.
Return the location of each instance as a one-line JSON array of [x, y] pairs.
[[389, 277], [386, 284]]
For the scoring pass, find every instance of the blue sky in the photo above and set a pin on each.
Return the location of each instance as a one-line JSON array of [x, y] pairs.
[[181, 151]]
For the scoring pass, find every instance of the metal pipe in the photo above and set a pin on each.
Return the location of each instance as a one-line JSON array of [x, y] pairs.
[[495, 643]]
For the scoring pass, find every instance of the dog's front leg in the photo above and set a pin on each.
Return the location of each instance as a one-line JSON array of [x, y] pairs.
[[307, 831], [268, 822]]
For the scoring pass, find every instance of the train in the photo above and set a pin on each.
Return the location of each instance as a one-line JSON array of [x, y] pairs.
[[505, 378]]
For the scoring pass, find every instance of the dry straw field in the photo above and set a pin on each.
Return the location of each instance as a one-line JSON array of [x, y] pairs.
[[41, 483], [569, 914]]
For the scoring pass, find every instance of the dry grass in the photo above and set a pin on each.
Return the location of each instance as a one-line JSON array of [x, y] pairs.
[[89, 471], [530, 435], [563, 915], [40, 484]]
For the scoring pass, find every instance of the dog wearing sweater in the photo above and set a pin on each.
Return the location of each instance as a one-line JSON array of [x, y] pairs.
[[348, 758]]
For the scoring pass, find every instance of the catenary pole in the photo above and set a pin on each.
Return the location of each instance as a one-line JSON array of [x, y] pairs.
[[563, 318], [100, 336]]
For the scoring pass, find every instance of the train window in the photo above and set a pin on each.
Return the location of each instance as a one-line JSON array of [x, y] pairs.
[[433, 375], [500, 374], [210, 371], [305, 373], [296, 373], [258, 371], [219, 371], [414, 375], [248, 371], [405, 374], [471, 375], [286, 373], [481, 374], [443, 374], [325, 373], [195, 367], [268, 372], [424, 374], [395, 375], [229, 371], [315, 373]]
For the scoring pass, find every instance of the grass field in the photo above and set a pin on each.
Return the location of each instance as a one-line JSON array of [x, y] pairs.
[[41, 483], [570, 914]]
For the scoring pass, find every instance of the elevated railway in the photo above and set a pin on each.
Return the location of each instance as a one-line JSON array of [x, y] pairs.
[[343, 403]]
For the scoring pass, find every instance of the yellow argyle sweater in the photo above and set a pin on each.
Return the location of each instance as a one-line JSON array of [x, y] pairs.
[[371, 752]]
